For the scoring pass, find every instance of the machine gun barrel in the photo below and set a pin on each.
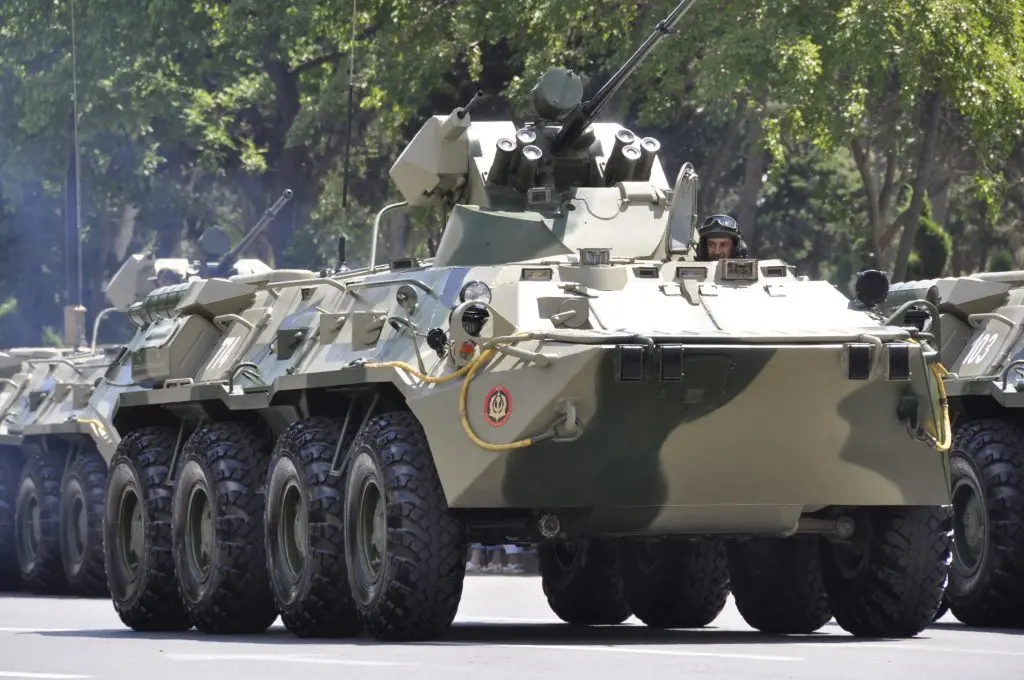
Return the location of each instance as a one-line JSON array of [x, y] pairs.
[[231, 257], [588, 112]]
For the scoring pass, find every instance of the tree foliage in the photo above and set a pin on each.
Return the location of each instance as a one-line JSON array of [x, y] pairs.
[[842, 133]]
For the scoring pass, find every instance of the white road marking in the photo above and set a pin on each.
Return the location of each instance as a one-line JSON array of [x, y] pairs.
[[503, 619], [632, 650], [41, 676], [910, 647], [36, 630], [287, 658]]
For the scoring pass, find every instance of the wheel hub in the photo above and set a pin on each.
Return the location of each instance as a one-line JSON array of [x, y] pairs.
[[970, 526], [647, 552], [29, 532], [131, 536], [566, 555], [291, 533], [372, 530], [199, 533], [77, 526]]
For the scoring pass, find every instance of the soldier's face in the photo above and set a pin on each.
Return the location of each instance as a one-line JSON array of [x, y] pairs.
[[719, 247]]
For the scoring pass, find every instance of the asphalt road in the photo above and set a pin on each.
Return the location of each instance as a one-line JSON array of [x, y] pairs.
[[504, 631]]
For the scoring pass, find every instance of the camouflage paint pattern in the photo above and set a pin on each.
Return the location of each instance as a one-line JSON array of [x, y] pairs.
[[763, 426], [586, 252]]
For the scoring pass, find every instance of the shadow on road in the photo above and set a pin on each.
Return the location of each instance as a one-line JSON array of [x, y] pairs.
[[534, 634], [955, 626]]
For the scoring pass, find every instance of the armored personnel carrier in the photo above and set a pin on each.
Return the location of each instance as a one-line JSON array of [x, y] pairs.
[[564, 372], [981, 318], [56, 435]]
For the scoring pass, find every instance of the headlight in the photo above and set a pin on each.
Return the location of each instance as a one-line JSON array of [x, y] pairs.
[[475, 290]]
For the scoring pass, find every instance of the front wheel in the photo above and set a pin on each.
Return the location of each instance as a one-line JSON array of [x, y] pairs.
[[889, 579], [304, 535], [986, 576], [404, 550]]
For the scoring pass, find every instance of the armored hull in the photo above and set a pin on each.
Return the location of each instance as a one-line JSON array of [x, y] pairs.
[[981, 322], [564, 371], [52, 472], [57, 434]]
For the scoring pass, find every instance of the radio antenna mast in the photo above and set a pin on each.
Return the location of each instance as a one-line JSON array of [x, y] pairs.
[[74, 314]]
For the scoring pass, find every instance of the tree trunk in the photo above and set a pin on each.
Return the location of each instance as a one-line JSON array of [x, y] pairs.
[[753, 180], [713, 172], [938, 194], [912, 219]]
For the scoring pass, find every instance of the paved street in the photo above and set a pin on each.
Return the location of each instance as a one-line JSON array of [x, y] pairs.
[[504, 631]]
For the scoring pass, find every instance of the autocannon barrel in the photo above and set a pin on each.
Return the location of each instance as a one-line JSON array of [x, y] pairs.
[[231, 257], [584, 115]]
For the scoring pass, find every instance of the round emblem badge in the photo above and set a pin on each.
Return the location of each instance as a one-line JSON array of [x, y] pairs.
[[497, 406]]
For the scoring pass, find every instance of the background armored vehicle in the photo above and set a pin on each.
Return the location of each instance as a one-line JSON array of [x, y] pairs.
[[981, 320], [563, 372], [56, 435]]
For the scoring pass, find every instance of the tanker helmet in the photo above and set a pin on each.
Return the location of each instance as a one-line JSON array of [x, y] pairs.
[[720, 227]]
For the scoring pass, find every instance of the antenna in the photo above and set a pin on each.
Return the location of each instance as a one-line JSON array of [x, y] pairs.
[[78, 162], [74, 315], [348, 125]]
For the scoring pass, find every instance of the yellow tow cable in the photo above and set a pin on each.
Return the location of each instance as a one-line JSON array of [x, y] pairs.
[[469, 370], [944, 441], [98, 427]]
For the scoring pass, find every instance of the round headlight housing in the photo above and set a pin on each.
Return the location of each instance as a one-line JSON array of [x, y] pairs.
[[475, 291]]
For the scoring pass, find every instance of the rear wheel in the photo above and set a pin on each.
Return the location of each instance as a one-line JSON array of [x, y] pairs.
[[582, 583], [81, 524], [778, 584], [37, 524], [986, 576], [304, 535], [889, 579], [137, 532], [217, 529], [672, 583], [405, 552], [10, 468]]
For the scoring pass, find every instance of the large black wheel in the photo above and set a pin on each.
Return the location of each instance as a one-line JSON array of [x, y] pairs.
[[671, 583], [405, 552], [888, 581], [217, 529], [137, 532], [37, 524], [10, 469], [986, 577], [305, 538], [778, 584], [582, 582], [81, 524]]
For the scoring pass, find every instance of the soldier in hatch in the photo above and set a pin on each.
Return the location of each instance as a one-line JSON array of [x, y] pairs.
[[720, 238], [167, 277]]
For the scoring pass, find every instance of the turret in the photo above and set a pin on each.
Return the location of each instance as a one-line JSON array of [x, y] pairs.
[[230, 260], [143, 273], [571, 180]]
